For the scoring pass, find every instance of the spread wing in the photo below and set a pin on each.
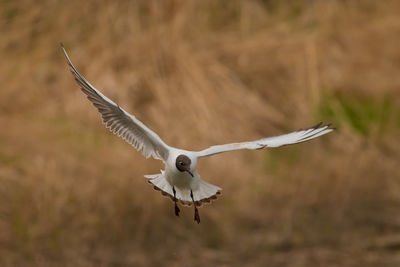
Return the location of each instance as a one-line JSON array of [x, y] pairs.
[[276, 141], [121, 122]]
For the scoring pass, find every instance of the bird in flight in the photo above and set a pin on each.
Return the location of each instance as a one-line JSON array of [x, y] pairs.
[[180, 179]]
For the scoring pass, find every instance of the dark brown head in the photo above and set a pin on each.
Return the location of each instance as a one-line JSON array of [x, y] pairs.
[[183, 164]]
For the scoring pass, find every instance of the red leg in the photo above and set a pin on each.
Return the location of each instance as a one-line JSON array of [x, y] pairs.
[[177, 210], [196, 211]]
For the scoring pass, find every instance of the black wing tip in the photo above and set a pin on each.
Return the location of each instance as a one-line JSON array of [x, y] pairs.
[[321, 125], [329, 126], [318, 126]]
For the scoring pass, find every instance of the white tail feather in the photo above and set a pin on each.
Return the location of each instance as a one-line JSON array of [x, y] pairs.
[[203, 194]]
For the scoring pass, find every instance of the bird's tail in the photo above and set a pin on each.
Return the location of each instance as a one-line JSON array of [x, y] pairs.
[[205, 193]]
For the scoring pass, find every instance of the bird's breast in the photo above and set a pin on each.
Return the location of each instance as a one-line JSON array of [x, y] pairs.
[[180, 179]]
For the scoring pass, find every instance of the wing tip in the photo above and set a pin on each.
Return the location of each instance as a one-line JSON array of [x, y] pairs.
[[320, 125], [317, 125], [329, 127], [63, 48], [69, 62]]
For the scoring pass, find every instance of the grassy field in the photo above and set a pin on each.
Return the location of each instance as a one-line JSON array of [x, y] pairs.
[[201, 73]]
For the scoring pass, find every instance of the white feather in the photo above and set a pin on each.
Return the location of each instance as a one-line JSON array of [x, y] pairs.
[[276, 141], [121, 122], [149, 143]]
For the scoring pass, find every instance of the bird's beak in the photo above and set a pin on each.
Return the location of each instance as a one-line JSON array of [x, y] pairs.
[[190, 172]]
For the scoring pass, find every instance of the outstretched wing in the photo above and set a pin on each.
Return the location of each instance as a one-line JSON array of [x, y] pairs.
[[276, 141], [121, 122]]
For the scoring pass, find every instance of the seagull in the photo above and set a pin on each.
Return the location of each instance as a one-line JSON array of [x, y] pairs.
[[180, 179]]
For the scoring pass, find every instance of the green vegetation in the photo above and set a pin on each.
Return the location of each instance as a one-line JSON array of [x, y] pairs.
[[362, 114], [201, 73]]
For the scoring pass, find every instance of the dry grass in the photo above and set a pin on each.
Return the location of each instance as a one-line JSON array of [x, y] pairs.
[[72, 194]]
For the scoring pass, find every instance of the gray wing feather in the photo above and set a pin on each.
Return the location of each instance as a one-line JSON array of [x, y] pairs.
[[276, 141], [121, 122]]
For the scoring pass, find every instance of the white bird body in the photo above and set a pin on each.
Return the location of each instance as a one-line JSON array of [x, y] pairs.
[[183, 182], [180, 179]]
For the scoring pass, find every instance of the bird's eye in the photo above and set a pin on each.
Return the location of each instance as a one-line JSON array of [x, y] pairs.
[[181, 163]]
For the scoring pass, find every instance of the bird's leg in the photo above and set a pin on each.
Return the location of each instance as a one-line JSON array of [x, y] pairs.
[[196, 211], [177, 210]]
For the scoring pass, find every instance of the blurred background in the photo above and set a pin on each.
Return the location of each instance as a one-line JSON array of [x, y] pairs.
[[201, 73]]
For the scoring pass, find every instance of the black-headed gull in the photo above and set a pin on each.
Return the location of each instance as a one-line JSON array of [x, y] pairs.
[[180, 179]]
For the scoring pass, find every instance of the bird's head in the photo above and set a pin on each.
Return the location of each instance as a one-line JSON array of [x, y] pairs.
[[183, 164]]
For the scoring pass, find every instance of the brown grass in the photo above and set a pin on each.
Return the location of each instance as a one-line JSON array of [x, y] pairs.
[[201, 73]]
